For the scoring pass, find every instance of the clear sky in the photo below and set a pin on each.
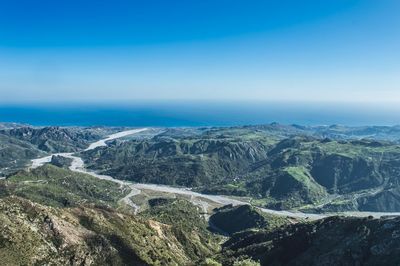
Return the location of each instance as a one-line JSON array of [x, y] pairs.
[[95, 50]]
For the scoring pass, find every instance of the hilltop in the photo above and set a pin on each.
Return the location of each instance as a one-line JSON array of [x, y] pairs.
[[52, 215], [55, 216], [280, 167]]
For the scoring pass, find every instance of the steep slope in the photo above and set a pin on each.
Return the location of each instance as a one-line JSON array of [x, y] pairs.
[[61, 161], [188, 162], [332, 241], [33, 234], [346, 170], [277, 172], [19, 144], [56, 139], [230, 220], [15, 154], [189, 227], [54, 216], [58, 187]]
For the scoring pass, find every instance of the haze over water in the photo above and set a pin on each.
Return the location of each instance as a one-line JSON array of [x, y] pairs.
[[200, 63], [227, 51], [197, 113]]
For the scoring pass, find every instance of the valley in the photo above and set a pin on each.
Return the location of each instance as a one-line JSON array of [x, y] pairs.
[[77, 165], [199, 199], [85, 201], [276, 167], [199, 133]]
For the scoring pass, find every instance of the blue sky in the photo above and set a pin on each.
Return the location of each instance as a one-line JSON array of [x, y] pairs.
[[338, 51]]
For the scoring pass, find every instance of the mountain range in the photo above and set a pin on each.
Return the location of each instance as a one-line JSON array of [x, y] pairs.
[[51, 215]]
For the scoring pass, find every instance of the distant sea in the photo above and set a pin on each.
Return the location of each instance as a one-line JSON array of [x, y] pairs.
[[196, 113]]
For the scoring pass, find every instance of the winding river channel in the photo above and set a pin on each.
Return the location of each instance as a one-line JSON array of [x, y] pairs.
[[196, 198]]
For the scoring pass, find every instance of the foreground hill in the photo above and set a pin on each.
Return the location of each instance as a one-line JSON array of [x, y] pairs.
[[34, 234], [278, 166], [54, 216], [331, 241], [58, 187]]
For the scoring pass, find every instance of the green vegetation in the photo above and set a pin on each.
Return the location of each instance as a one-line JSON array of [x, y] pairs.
[[58, 187], [61, 161], [56, 139], [186, 162], [33, 234], [280, 167], [246, 262], [231, 219], [54, 216], [331, 241], [177, 212], [20, 144], [303, 176], [210, 262], [15, 154], [38, 228], [188, 225]]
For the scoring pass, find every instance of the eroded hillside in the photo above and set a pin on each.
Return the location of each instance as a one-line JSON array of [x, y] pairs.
[[278, 168]]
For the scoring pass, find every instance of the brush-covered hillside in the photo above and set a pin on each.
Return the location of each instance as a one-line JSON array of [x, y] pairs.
[[57, 139], [233, 219], [53, 216], [277, 166], [331, 241], [16, 154], [19, 144]]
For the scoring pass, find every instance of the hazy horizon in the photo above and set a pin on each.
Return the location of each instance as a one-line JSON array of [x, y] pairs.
[[99, 51], [200, 132], [198, 113]]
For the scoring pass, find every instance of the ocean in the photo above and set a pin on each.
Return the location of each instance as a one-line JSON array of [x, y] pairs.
[[197, 113]]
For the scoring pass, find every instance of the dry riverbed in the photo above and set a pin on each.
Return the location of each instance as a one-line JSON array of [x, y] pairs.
[[204, 201]]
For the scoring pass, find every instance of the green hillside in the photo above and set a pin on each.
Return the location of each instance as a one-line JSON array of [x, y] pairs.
[[331, 241], [58, 187], [53, 216], [231, 219], [275, 165]]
